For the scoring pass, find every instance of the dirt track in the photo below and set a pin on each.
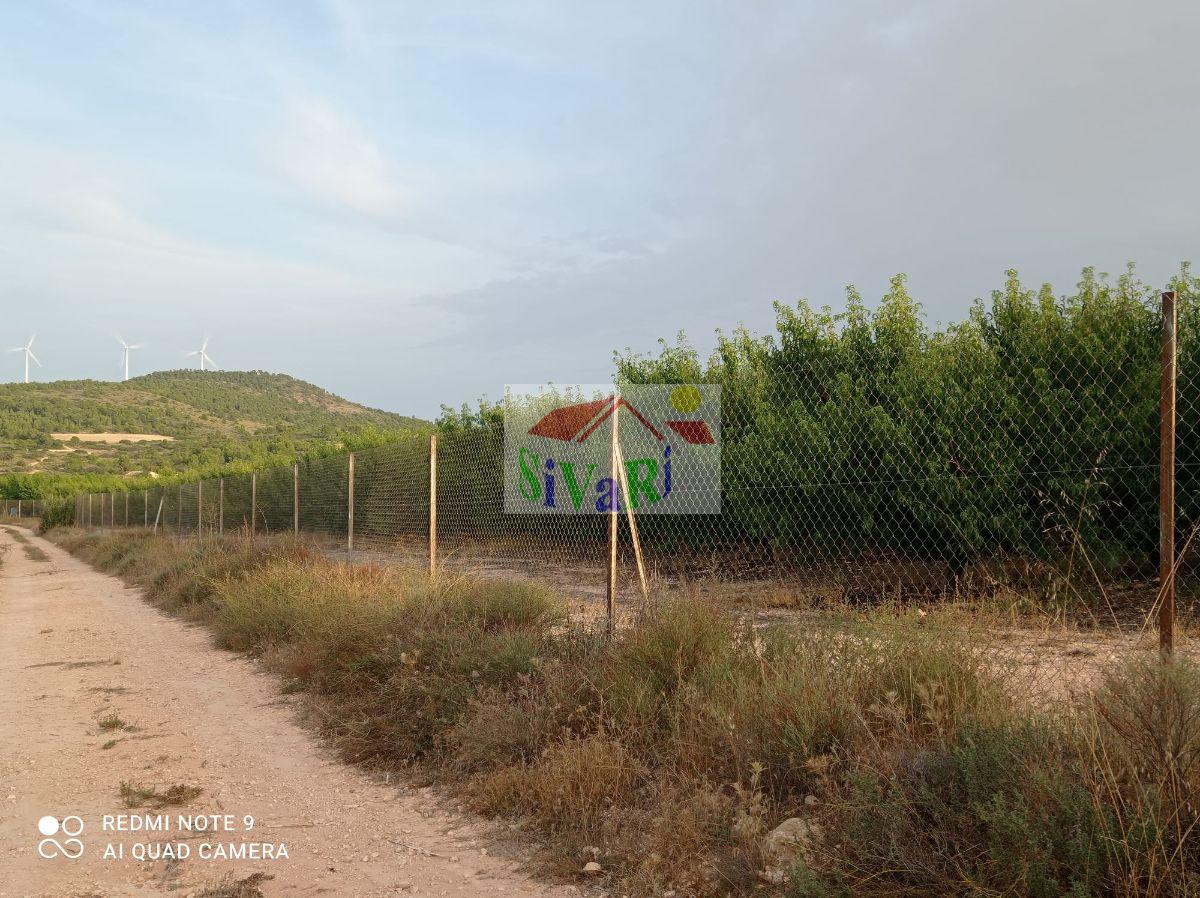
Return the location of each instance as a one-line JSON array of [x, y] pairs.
[[77, 647]]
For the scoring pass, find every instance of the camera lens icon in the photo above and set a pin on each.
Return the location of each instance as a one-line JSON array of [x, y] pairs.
[[70, 826]]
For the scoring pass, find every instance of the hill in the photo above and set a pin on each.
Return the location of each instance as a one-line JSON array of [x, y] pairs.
[[175, 422]]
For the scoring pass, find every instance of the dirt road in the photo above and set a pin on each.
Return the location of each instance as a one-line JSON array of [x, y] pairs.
[[100, 689]]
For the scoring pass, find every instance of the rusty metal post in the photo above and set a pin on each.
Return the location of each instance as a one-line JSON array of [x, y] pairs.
[[433, 455], [350, 508], [296, 498], [1166, 477]]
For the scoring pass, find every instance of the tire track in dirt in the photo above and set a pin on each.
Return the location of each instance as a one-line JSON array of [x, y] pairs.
[[80, 651]]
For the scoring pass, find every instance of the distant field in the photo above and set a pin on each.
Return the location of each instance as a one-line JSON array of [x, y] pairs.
[[111, 437]]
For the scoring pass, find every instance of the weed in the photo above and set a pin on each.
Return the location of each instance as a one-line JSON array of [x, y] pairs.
[[35, 553], [138, 796], [109, 744], [111, 722], [229, 887]]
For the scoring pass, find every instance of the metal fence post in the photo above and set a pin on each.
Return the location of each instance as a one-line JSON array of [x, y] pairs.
[[350, 508], [253, 501], [1166, 478], [127, 508], [18, 508], [199, 508], [179, 514], [89, 511], [145, 508], [221, 506], [296, 497], [433, 455]]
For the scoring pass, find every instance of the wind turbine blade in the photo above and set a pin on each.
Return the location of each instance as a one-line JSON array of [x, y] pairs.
[[210, 361], [34, 357], [134, 346], [29, 345], [120, 340], [193, 352], [204, 345]]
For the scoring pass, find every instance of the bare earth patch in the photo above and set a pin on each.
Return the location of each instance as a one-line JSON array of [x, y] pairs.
[[112, 437]]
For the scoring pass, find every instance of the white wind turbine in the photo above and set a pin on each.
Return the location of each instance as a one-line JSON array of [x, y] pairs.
[[126, 348], [28, 350], [202, 352]]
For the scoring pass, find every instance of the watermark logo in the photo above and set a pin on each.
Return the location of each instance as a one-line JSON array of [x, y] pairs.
[[69, 828], [655, 449]]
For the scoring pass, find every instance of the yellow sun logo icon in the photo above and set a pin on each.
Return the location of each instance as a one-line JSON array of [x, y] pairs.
[[685, 398]]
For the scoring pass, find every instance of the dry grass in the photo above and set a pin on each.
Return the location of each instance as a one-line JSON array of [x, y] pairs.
[[667, 753], [139, 796]]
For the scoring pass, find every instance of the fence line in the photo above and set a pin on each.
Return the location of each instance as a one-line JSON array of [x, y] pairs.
[[964, 463]]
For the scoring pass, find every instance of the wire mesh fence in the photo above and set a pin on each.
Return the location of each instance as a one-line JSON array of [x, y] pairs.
[[1014, 457]]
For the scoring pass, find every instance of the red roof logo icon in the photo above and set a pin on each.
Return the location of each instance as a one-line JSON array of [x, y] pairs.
[[575, 423]]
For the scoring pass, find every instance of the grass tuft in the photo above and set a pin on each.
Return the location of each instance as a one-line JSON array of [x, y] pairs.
[[139, 796]]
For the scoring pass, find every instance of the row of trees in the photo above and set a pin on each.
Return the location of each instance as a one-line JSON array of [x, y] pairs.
[[1027, 428]]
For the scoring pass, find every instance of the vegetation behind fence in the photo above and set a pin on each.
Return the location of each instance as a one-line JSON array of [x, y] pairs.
[[1020, 446]]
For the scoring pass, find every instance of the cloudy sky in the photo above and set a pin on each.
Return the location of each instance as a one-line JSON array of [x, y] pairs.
[[415, 203]]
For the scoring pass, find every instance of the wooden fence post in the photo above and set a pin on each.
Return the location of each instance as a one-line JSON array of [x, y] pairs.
[[614, 520], [433, 455], [1166, 478], [350, 509]]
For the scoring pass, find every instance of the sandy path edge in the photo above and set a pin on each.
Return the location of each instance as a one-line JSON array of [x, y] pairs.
[[77, 645]]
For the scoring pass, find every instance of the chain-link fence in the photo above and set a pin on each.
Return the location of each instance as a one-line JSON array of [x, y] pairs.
[[22, 508], [1015, 457]]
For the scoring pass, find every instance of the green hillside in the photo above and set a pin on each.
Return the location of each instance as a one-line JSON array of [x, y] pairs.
[[216, 420]]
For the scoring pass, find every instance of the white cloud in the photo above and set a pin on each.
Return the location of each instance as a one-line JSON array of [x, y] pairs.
[[335, 162]]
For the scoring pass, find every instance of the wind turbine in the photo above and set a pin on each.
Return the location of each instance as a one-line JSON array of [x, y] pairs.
[[28, 350], [203, 354], [126, 348]]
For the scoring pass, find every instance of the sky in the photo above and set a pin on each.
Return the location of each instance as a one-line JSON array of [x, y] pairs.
[[413, 204]]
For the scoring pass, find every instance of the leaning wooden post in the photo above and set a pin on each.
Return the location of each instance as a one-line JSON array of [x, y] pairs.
[[633, 527], [433, 454], [350, 508], [614, 519], [220, 506], [1166, 478], [296, 497], [253, 502]]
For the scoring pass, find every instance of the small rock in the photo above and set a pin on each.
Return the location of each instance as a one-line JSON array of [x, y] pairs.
[[593, 867], [793, 838], [811, 800]]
